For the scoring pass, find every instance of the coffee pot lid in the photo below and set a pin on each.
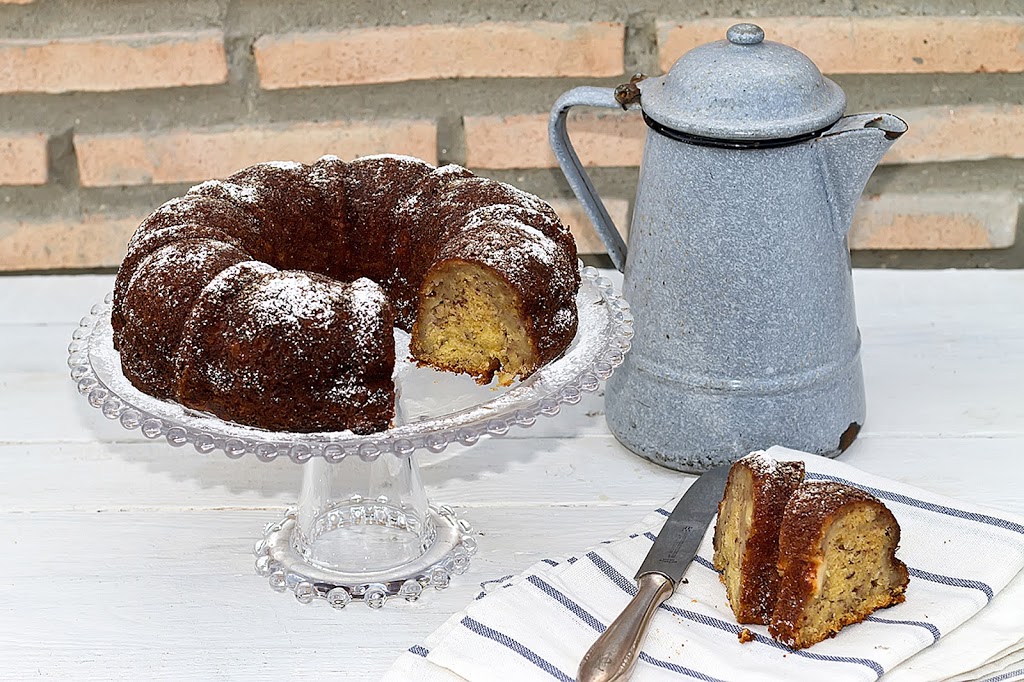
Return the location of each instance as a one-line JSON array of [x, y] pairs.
[[743, 88]]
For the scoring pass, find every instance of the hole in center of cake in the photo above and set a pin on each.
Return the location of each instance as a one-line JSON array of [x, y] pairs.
[[469, 322]]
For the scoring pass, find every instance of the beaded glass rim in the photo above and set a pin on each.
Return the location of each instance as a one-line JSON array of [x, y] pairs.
[[603, 338]]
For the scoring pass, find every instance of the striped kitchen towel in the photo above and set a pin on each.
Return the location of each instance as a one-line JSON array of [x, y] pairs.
[[963, 618]]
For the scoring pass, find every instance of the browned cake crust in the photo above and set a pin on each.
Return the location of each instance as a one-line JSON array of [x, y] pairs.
[[837, 562], [185, 311], [746, 536], [158, 302], [250, 312]]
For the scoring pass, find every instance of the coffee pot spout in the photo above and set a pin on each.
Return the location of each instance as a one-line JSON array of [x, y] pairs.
[[849, 152]]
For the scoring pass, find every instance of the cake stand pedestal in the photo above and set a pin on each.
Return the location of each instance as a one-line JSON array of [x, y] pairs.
[[363, 528]]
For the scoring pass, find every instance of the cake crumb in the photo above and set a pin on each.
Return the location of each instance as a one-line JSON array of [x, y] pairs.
[[745, 636]]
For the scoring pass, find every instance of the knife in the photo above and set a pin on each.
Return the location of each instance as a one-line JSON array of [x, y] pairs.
[[613, 655]]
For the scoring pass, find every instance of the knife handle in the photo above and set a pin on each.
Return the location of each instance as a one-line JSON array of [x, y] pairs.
[[613, 655]]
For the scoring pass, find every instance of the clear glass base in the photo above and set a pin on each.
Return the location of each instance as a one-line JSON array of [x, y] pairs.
[[285, 568], [365, 534], [363, 530]]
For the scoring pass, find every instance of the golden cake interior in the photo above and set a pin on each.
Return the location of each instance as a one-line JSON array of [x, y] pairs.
[[735, 519], [469, 322], [856, 575]]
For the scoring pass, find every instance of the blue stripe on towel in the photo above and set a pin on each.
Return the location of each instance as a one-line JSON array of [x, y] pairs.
[[916, 572], [418, 650], [913, 502], [630, 588], [484, 584], [646, 658], [498, 580], [921, 504], [593, 622], [569, 604], [916, 623], [955, 582], [933, 577], [503, 639], [1003, 677]]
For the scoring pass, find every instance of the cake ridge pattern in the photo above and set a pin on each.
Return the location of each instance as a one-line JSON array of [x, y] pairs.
[[306, 268]]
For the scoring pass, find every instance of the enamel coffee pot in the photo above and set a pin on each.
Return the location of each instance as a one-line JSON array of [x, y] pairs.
[[738, 268]]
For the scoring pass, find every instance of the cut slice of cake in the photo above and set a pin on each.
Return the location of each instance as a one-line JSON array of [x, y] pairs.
[[470, 321], [746, 537], [837, 562]]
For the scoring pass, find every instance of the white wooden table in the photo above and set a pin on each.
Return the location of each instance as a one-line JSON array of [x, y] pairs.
[[124, 558]]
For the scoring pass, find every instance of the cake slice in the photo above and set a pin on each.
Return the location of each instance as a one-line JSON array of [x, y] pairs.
[[746, 537], [837, 563], [490, 304]]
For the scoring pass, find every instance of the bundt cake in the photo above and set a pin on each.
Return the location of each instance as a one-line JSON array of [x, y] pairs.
[[746, 539], [806, 558], [269, 298], [837, 563]]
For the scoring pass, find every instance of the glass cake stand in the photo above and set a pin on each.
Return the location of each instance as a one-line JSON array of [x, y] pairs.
[[363, 528]]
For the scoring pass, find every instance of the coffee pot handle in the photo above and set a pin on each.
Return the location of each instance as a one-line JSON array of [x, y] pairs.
[[574, 172]]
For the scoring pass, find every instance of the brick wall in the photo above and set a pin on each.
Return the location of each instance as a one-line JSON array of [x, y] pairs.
[[109, 107]]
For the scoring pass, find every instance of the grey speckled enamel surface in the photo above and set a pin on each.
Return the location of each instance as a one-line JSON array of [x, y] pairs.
[[738, 272], [743, 88]]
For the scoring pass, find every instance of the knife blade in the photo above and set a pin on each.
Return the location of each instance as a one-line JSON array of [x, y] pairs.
[[613, 655]]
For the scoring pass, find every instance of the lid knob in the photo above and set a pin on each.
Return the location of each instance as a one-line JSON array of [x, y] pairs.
[[745, 34]]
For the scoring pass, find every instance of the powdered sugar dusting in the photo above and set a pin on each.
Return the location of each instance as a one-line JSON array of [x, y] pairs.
[[327, 175], [525, 198], [291, 300], [174, 257], [280, 165], [450, 169], [241, 193], [222, 282], [170, 205], [366, 301], [562, 320], [760, 463], [406, 205], [394, 157], [511, 246], [828, 495]]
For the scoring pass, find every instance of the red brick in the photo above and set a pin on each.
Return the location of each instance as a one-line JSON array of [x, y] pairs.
[[601, 138], [115, 62], [194, 155], [23, 159], [964, 133], [941, 220], [391, 54], [873, 44], [90, 242]]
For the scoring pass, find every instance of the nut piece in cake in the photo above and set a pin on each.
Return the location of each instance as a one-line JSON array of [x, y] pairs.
[[746, 537], [837, 562]]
